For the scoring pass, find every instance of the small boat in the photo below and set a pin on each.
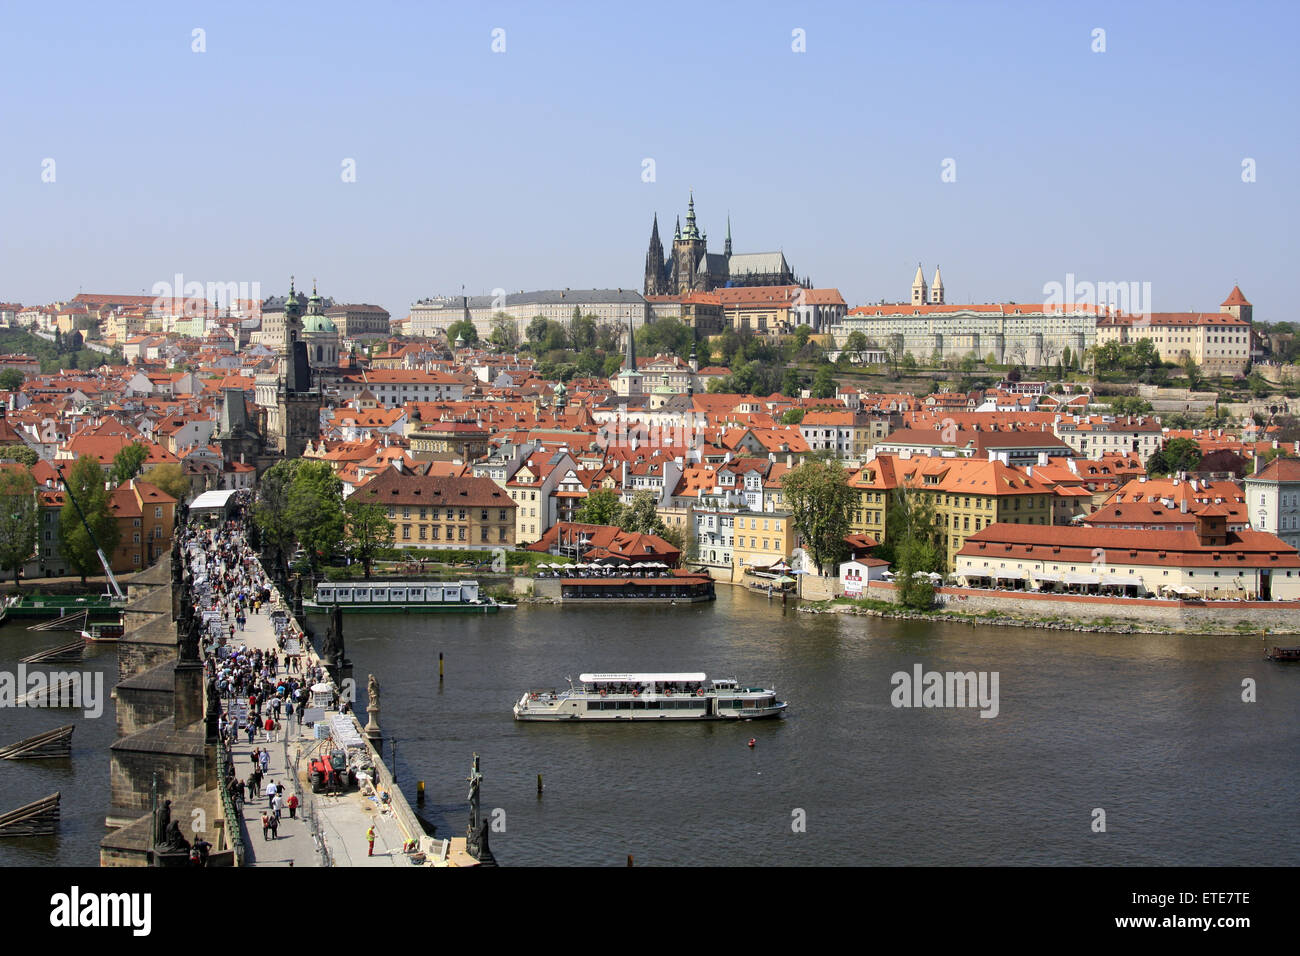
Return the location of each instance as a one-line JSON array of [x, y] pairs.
[[103, 633], [424, 597], [685, 696], [1283, 655]]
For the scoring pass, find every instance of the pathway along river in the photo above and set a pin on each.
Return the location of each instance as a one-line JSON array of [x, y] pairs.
[[1150, 729]]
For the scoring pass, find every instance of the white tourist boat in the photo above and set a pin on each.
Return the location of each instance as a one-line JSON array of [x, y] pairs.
[[687, 696]]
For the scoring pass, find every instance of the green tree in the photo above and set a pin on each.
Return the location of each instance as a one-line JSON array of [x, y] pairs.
[[641, 516], [11, 380], [1181, 454], [316, 509], [582, 331], [464, 329], [819, 498], [792, 416], [368, 530], [823, 384], [19, 453], [18, 520], [914, 558], [127, 463], [271, 513], [804, 332], [170, 479], [791, 383], [536, 330], [613, 364], [505, 332], [601, 506], [85, 481]]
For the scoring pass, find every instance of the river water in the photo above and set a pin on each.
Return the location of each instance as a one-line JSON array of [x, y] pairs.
[[1152, 730]]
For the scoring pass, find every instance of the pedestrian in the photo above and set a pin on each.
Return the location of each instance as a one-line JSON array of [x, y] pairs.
[[275, 825], [292, 804], [270, 793], [269, 727], [266, 823], [265, 760], [370, 838], [276, 803]]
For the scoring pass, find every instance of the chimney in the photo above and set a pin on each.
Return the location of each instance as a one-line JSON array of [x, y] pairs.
[[1183, 506], [1258, 459]]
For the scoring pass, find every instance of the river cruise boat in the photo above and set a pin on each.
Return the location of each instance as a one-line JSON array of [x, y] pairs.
[[449, 597], [649, 697]]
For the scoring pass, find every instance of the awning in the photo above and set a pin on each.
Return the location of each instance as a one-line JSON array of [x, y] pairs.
[[1010, 575], [1121, 581], [1185, 591], [1041, 576], [1082, 579]]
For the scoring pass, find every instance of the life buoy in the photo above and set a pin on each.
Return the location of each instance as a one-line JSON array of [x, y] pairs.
[[636, 693], [669, 692], [602, 693], [532, 696], [699, 692]]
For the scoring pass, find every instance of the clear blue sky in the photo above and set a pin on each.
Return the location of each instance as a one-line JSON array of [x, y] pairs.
[[522, 169]]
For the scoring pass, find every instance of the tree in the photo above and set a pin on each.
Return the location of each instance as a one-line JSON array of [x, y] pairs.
[[19, 453], [856, 342], [1181, 454], [792, 416], [315, 509], [18, 519], [505, 332], [536, 330], [804, 332], [914, 592], [368, 530], [85, 482], [684, 541], [823, 384], [11, 380], [582, 331], [127, 463], [171, 479], [641, 516], [819, 498], [464, 329], [271, 513], [791, 383], [601, 506]]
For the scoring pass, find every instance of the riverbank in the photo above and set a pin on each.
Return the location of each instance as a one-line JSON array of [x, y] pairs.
[[1102, 623]]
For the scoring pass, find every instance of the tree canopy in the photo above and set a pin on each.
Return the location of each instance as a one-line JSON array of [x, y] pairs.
[[819, 498], [18, 519], [85, 480]]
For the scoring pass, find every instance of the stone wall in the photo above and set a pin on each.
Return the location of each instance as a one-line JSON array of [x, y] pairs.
[[1210, 617]]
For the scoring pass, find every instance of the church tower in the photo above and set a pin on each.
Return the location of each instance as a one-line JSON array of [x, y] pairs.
[[298, 405], [936, 289], [688, 253], [919, 296], [656, 272]]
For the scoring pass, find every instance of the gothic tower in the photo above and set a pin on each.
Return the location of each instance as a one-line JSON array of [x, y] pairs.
[[919, 296], [936, 289], [688, 253], [298, 404], [656, 271], [1236, 304]]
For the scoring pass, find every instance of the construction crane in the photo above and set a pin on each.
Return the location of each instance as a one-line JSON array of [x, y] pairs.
[[117, 588]]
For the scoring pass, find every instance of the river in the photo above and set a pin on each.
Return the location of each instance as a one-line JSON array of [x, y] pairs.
[[1151, 730]]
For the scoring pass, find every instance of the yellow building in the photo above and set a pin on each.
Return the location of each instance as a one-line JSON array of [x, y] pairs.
[[762, 538]]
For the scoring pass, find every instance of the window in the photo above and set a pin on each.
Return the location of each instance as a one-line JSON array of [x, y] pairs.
[[406, 532], [461, 535], [157, 512]]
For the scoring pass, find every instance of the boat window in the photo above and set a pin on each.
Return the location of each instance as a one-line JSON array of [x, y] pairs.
[[624, 705]]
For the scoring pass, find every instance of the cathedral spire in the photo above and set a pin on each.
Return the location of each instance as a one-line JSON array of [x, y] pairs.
[[726, 248]]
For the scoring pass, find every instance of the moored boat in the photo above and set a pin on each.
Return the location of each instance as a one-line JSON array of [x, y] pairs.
[[1283, 655], [649, 696], [103, 632], [379, 597]]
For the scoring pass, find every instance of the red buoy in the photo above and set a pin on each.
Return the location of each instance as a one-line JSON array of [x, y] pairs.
[[751, 742]]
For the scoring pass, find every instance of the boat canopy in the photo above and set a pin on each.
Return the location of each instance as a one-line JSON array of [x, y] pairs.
[[640, 678]]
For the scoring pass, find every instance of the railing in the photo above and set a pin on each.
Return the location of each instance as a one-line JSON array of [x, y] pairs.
[[234, 830]]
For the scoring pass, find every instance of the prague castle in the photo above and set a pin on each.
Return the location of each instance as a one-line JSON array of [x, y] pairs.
[[692, 268]]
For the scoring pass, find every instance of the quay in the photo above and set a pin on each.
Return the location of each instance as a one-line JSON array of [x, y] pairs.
[[175, 762]]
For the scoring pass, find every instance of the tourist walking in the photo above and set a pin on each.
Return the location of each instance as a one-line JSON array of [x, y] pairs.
[[370, 838], [292, 804], [266, 823]]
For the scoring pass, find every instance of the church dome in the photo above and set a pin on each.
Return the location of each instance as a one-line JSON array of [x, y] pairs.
[[318, 322]]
